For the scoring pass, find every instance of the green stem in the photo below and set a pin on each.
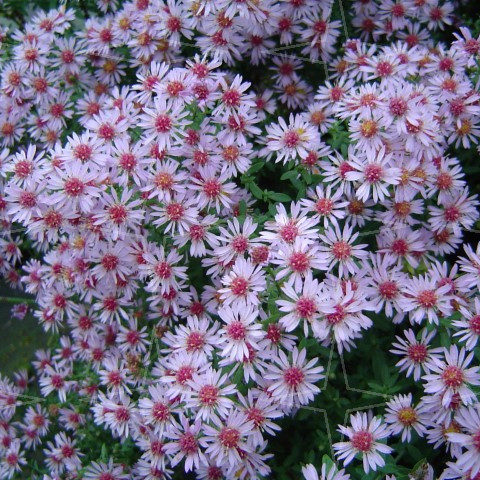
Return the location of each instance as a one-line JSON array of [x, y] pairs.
[[30, 301]]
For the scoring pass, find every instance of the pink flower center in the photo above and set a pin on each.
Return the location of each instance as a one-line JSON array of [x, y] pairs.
[[28, 199], [362, 441], [451, 214], [231, 98], [82, 152], [398, 106], [427, 298], [452, 376], [324, 206], [110, 262], [388, 289], [163, 123], [23, 168], [74, 187], [400, 247], [106, 131], [188, 443], [337, 316], [255, 415], [239, 244], [457, 107], [239, 286], [212, 188], [373, 173], [197, 232], [341, 250], [299, 262], [195, 341], [289, 232], [175, 211], [229, 437], [273, 333], [236, 330], [291, 139], [122, 414], [163, 270], [474, 324], [384, 69], [160, 412], [445, 64], [118, 213], [306, 307], [184, 374], [293, 377], [57, 381], [208, 395]]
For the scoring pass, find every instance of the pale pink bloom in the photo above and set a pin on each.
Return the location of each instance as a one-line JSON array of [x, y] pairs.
[[213, 189], [164, 123], [162, 270], [343, 317], [243, 284], [325, 205], [451, 376], [375, 175], [185, 444], [292, 141], [210, 395], [469, 324], [285, 228], [302, 304], [364, 437], [468, 462], [241, 333], [298, 259], [425, 300], [293, 381], [402, 417], [226, 438]]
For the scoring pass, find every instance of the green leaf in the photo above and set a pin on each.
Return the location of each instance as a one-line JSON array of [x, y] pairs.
[[278, 197], [257, 192], [256, 167], [290, 175]]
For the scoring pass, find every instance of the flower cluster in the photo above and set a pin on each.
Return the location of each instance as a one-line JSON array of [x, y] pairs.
[[181, 295]]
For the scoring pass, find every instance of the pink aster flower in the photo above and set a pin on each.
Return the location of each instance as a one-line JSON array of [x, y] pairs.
[[363, 440], [292, 141], [241, 332], [468, 462], [451, 375], [243, 284], [293, 381], [416, 354], [402, 417]]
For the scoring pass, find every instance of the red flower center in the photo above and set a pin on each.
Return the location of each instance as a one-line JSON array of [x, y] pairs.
[[362, 441], [427, 298], [229, 437], [293, 377], [208, 395], [299, 262], [306, 307], [163, 123], [163, 270], [452, 376], [236, 330]]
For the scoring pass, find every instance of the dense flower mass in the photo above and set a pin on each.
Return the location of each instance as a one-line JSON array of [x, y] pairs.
[[200, 244]]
